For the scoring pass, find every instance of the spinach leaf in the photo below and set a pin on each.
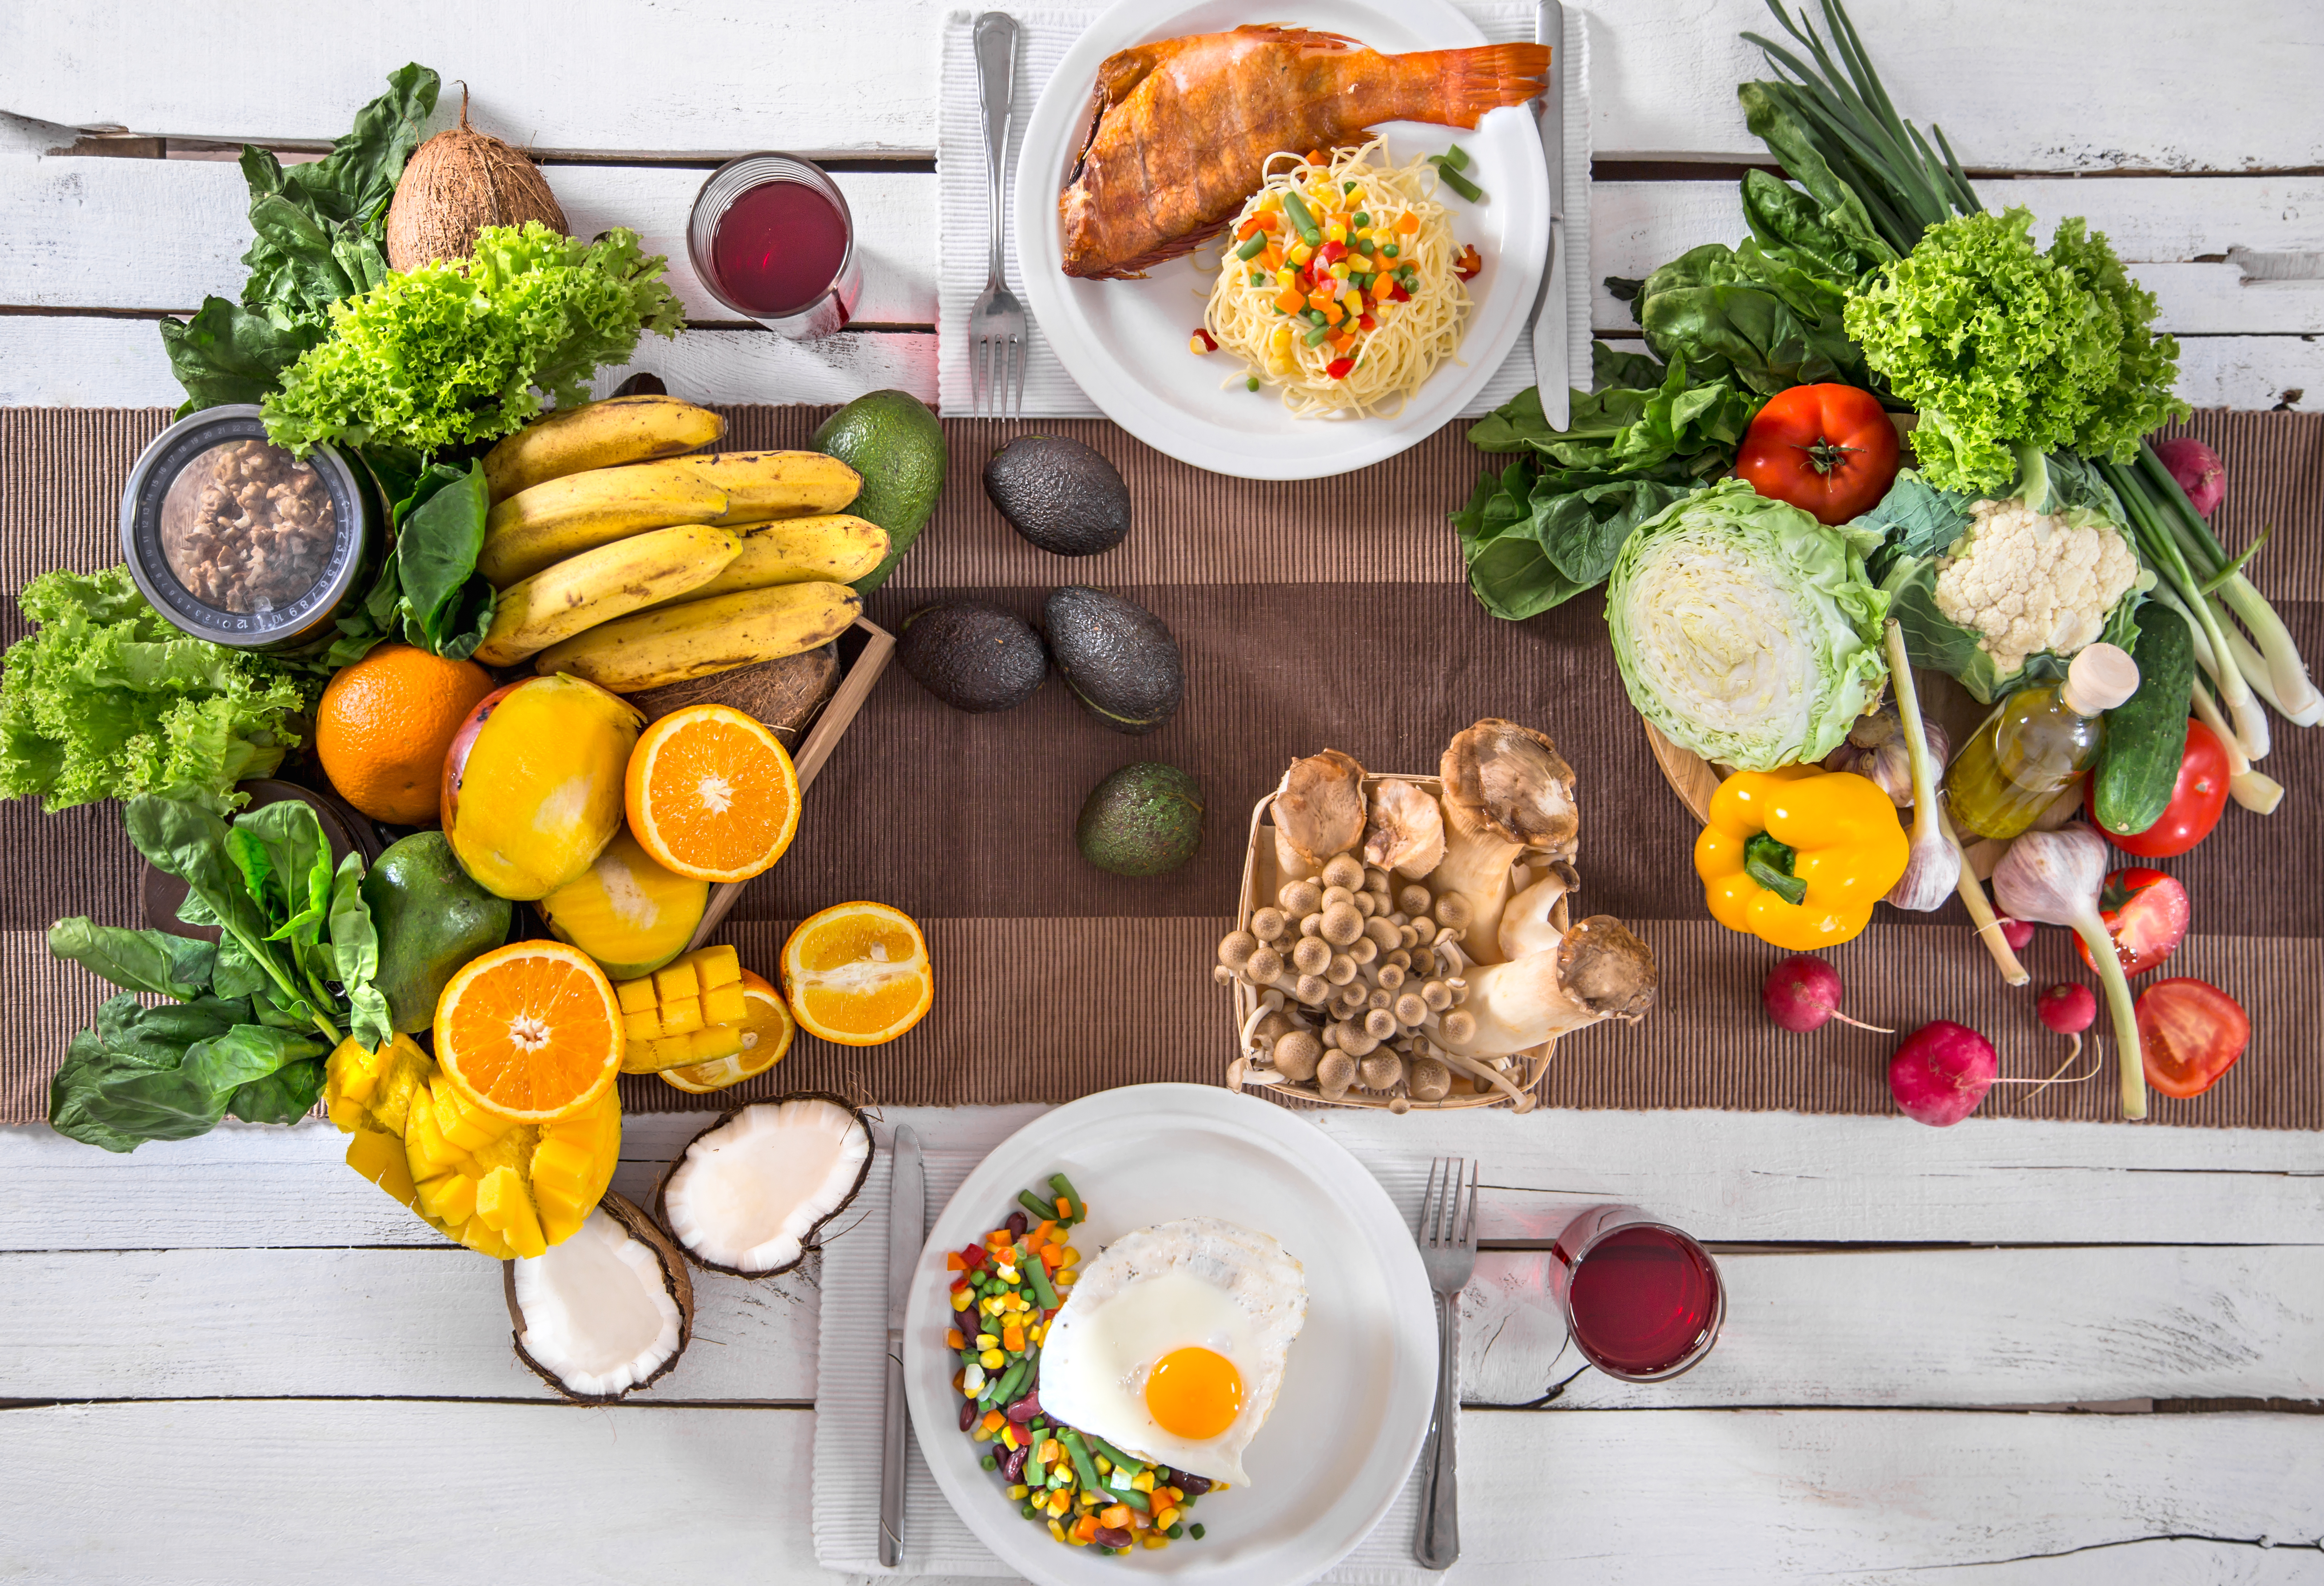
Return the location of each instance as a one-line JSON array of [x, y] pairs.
[[236, 974], [138, 960], [355, 949], [1737, 314], [446, 605], [1534, 539], [130, 1080], [227, 353]]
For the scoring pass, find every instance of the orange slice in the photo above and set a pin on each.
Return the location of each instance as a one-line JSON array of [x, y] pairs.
[[530, 1030], [712, 793], [858, 974], [766, 1035]]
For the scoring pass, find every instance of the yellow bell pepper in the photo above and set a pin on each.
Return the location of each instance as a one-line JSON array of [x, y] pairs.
[[1831, 839]]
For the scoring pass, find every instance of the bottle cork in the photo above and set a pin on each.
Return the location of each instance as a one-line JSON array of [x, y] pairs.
[[2100, 678]]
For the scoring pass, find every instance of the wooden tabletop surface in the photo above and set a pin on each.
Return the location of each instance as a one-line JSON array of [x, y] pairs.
[[2008, 1352]]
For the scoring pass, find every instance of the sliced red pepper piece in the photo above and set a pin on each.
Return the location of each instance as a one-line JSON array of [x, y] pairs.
[[973, 1255], [1399, 295], [1338, 367], [1332, 253]]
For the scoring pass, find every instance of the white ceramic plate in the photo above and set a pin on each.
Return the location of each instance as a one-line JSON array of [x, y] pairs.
[[1357, 1387], [1124, 342]]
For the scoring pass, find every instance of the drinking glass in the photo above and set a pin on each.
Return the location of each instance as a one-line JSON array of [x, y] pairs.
[[1642, 1300], [771, 237]]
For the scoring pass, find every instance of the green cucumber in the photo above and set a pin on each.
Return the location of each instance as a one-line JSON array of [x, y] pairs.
[[2146, 734]]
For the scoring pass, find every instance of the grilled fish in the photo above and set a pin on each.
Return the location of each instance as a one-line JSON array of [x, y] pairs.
[[1178, 130]]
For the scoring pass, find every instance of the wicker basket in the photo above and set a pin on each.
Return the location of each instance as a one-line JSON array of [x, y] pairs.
[[1261, 880]]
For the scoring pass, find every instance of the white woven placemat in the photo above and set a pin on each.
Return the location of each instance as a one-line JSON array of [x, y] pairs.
[[851, 1386], [1043, 37]]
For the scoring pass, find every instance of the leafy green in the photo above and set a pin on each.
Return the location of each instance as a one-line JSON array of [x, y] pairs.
[[427, 591], [1741, 314], [143, 961], [2000, 346], [355, 955], [1745, 629], [465, 351], [107, 700], [319, 230]]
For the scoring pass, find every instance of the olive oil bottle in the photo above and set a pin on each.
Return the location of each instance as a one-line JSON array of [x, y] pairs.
[[2035, 742]]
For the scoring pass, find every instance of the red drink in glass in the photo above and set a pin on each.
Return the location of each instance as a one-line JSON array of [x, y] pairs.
[[1642, 1300], [772, 238]]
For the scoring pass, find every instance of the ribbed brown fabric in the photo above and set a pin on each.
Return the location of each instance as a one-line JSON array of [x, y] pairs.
[[1325, 612]]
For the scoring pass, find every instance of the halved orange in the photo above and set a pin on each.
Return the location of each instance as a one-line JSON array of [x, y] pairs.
[[766, 1035], [858, 974], [712, 793], [530, 1030]]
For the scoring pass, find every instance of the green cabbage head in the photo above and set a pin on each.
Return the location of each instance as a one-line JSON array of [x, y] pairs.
[[1746, 631]]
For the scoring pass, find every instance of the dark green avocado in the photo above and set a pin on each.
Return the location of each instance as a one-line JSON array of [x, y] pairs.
[[1058, 494], [1143, 820], [972, 655], [1119, 660], [431, 919]]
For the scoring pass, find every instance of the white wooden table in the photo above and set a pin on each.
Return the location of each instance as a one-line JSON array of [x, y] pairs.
[[2005, 1353]]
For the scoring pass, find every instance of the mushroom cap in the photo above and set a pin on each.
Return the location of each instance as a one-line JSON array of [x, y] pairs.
[[1380, 1023], [1604, 968], [1334, 1074], [1319, 810], [1454, 912], [1511, 781], [1236, 948], [1428, 1079], [1344, 870], [1313, 955], [1342, 925], [1264, 966], [1460, 1025], [1405, 831], [1269, 924], [1382, 1071], [1296, 1055], [1300, 898]]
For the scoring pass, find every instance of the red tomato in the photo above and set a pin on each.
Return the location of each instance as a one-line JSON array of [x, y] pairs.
[[2197, 798], [1828, 449], [2192, 1032], [2145, 912]]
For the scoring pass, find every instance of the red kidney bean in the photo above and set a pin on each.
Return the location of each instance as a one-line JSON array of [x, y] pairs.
[[1017, 1226], [1012, 1463], [1192, 1486], [1112, 1536], [967, 1413], [1025, 1408]]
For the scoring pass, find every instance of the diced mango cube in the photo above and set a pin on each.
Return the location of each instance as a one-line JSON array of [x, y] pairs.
[[677, 982], [379, 1157], [452, 1197], [724, 1004], [636, 996], [677, 1018], [644, 1026], [718, 966], [503, 1206]]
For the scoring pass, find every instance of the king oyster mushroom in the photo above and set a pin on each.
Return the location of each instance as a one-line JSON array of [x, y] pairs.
[[1319, 812], [1405, 832], [1597, 970], [1526, 925], [749, 1193], [1509, 795], [606, 1312]]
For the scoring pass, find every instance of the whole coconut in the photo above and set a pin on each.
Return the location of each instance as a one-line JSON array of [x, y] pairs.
[[456, 183]]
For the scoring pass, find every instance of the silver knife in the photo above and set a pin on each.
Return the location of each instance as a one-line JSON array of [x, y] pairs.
[[1551, 370], [907, 1230]]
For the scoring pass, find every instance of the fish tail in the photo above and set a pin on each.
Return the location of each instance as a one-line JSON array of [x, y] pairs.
[[1459, 85]]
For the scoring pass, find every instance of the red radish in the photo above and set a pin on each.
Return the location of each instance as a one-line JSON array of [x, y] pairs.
[[2018, 932], [2069, 1008], [1942, 1073], [1803, 991], [2198, 469]]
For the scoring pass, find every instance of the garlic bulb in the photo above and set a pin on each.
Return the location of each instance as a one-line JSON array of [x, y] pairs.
[[1877, 750], [1932, 872]]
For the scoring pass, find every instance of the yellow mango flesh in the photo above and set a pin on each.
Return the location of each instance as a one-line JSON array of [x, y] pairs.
[[626, 912], [538, 795], [691, 1011]]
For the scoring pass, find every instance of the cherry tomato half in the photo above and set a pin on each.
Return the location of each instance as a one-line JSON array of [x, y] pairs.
[[1827, 450], [2192, 1032], [2145, 912], [2197, 798]]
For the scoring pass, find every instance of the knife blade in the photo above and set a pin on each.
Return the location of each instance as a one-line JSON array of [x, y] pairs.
[[907, 1230], [1551, 372]]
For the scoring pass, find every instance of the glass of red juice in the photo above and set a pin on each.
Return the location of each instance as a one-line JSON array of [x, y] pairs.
[[771, 237], [1642, 1300]]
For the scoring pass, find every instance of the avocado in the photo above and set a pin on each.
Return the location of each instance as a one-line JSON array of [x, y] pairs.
[[972, 655], [1058, 494], [1143, 820], [892, 439], [431, 919], [1119, 660]]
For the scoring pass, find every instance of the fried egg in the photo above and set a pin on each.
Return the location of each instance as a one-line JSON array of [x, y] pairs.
[[1172, 1345]]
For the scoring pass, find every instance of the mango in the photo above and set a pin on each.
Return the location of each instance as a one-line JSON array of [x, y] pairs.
[[626, 912], [690, 1011], [532, 783]]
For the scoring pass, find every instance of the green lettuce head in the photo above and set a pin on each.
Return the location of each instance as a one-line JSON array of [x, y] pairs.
[[1746, 631]]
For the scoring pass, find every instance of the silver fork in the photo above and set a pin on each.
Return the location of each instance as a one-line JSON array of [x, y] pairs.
[[1448, 1252], [996, 326]]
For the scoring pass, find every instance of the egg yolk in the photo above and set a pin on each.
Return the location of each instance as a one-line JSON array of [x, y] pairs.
[[1194, 1393]]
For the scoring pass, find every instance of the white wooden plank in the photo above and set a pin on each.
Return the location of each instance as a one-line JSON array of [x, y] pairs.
[[61, 223], [2164, 230], [249, 1492], [104, 362], [2157, 85], [1971, 1329]]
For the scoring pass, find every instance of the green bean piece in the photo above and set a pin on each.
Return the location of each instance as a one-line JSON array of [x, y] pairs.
[[1063, 1186], [1032, 1202], [1456, 157], [1078, 1452], [1133, 1498], [1122, 1462], [1254, 247], [1462, 184], [1303, 220], [1006, 1392], [1316, 337], [1036, 1273]]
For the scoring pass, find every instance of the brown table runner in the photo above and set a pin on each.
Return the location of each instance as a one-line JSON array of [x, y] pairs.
[[1328, 612]]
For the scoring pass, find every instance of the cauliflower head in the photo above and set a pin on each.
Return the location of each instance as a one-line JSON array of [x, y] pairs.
[[2026, 582]]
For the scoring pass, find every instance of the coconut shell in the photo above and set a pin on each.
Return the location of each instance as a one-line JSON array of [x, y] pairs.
[[675, 1277], [785, 693], [456, 183], [812, 1241]]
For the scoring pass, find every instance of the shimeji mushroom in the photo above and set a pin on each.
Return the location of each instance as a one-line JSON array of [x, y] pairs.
[[1507, 794], [1318, 813], [1406, 831], [1596, 971]]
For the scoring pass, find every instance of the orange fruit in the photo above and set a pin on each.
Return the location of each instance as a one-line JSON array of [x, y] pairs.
[[385, 724], [712, 793], [530, 1030], [858, 974], [766, 1035]]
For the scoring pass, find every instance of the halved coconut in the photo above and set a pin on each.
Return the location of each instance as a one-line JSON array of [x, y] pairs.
[[749, 1193], [606, 1313]]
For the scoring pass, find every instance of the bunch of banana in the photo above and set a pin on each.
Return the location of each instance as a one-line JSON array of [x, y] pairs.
[[622, 563]]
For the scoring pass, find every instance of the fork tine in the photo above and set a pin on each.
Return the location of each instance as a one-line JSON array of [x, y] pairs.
[[975, 370], [1023, 350], [1468, 1226], [984, 377], [1428, 1203]]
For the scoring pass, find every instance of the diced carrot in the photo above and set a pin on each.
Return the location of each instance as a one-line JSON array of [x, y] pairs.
[[1086, 1528], [1246, 230], [1268, 260], [994, 1420], [1012, 1339], [953, 1263], [1064, 1207], [1314, 156], [1406, 224], [1332, 312], [954, 1340], [1116, 1516]]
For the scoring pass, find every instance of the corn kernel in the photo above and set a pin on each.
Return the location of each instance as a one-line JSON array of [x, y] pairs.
[[1143, 1481], [1018, 1489], [1069, 1277], [1103, 1464], [960, 1299], [992, 1359], [1335, 233], [1156, 1539], [985, 1341], [1056, 1531]]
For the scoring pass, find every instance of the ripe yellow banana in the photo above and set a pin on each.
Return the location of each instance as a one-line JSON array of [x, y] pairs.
[[761, 485], [544, 525], [832, 547], [650, 650], [597, 435], [583, 592]]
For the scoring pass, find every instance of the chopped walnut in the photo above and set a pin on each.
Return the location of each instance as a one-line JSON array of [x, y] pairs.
[[247, 527]]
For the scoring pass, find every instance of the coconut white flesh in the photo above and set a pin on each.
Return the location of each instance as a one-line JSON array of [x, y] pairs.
[[597, 1310], [751, 1191]]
